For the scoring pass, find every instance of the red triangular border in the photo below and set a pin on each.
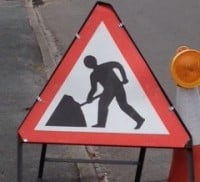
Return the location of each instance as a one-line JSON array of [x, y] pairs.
[[178, 136]]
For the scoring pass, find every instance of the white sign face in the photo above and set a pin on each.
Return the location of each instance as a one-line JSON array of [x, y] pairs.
[[78, 85]]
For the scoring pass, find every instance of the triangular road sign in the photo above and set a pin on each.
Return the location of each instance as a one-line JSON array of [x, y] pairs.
[[103, 93]]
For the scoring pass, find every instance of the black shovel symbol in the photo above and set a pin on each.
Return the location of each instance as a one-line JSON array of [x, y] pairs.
[[68, 113]]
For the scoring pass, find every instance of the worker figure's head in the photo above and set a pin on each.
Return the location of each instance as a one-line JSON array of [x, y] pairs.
[[90, 61]]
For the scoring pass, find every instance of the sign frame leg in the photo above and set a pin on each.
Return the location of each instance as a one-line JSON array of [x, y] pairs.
[[42, 161], [190, 161], [19, 160], [140, 164]]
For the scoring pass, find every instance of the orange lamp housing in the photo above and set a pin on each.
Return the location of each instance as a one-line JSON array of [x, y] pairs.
[[185, 68]]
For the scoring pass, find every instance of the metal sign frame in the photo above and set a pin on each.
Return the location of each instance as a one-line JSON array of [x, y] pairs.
[[139, 163]]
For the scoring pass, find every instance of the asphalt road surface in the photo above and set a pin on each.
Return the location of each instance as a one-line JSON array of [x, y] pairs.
[[22, 78]]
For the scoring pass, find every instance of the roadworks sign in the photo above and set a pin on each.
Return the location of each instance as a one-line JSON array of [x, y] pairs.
[[103, 93]]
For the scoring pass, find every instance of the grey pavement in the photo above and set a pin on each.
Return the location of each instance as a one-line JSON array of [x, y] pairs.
[[21, 79]]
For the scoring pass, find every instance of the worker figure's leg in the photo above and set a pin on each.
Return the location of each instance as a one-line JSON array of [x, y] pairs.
[[104, 102], [128, 109]]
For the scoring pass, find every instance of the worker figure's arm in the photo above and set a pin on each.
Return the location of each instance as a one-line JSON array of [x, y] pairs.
[[121, 70], [92, 90]]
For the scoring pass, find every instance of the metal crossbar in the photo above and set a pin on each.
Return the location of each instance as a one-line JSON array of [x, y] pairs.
[[120, 162]]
